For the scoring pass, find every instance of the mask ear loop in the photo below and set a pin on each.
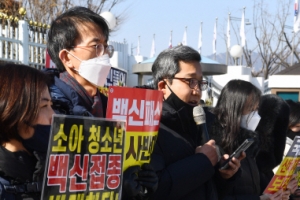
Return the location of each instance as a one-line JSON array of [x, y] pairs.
[[168, 87], [76, 58]]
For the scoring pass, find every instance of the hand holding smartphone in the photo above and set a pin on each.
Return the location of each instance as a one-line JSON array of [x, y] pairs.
[[243, 147]]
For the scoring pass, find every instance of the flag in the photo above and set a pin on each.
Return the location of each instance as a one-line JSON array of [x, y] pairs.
[[170, 41], [296, 17], [184, 39], [200, 39], [228, 32], [242, 30], [138, 47], [152, 54], [215, 38]]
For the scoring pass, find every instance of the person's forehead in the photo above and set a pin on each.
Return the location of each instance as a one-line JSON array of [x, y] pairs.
[[192, 68], [90, 32], [45, 96]]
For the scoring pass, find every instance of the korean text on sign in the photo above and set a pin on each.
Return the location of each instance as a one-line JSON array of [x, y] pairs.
[[85, 158]]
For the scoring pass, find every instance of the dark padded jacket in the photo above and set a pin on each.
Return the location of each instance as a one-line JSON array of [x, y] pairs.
[[21, 175], [182, 173], [66, 100]]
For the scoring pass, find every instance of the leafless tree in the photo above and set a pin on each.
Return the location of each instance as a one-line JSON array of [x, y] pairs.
[[46, 11], [273, 38], [9, 7], [270, 31]]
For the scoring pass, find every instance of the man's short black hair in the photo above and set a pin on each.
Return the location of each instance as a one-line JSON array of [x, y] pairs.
[[166, 64], [64, 31]]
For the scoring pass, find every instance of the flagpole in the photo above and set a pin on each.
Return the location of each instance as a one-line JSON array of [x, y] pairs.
[[215, 57], [295, 28], [292, 60], [170, 45], [184, 39], [242, 34], [228, 32], [152, 54], [138, 47], [200, 39], [186, 35]]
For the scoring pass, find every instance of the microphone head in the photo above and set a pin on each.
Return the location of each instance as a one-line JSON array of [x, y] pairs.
[[199, 115]]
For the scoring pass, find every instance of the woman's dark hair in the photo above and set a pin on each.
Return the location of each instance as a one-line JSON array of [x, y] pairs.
[[232, 101], [294, 112], [21, 87]]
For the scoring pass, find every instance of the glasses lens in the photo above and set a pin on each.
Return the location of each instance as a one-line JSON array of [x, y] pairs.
[[203, 85], [193, 83], [99, 50], [110, 50]]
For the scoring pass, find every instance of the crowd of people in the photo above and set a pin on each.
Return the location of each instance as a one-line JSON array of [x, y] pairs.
[[182, 165]]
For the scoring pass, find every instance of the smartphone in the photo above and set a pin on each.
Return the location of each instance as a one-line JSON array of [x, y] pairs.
[[243, 147]]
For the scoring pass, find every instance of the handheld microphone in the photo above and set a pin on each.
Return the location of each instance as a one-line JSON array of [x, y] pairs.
[[200, 119]]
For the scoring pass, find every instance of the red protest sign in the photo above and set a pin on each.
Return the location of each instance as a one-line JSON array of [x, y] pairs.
[[141, 108]]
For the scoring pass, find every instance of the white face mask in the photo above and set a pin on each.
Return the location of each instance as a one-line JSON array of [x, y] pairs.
[[250, 121], [94, 70]]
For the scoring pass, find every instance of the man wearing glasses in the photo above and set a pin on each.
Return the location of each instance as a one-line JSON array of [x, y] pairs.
[[185, 169], [77, 44]]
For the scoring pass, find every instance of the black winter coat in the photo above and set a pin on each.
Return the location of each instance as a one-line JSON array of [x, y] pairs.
[[182, 173], [272, 129], [266, 153], [247, 185], [21, 175]]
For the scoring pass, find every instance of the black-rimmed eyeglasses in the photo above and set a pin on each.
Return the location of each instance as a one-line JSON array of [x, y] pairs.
[[192, 82]]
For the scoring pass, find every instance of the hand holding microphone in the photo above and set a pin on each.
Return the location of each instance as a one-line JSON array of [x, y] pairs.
[[200, 120]]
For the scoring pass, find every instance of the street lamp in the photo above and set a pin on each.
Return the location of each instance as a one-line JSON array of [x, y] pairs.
[[230, 18], [236, 52], [242, 31], [110, 19]]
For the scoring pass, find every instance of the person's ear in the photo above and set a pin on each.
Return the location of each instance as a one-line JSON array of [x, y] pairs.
[[162, 86], [64, 56]]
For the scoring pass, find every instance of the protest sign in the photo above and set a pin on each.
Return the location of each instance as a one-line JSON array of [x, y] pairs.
[[286, 169], [84, 159], [141, 108], [116, 77]]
